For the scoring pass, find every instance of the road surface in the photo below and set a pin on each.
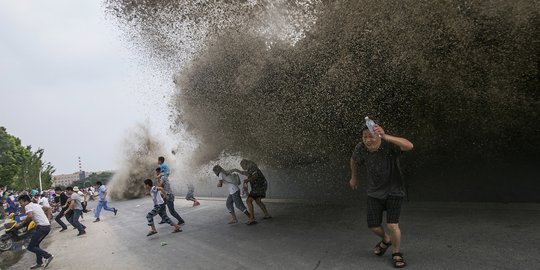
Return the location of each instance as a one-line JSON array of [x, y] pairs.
[[300, 236]]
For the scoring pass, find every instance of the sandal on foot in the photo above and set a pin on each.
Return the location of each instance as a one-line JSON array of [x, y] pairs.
[[177, 230], [398, 260], [253, 222], [268, 217], [381, 250], [151, 233]]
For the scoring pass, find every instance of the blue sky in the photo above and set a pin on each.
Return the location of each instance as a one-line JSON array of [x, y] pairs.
[[70, 85]]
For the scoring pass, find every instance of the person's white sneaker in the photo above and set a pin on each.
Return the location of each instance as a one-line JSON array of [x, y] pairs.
[[47, 261]]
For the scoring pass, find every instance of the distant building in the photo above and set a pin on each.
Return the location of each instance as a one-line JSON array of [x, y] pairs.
[[65, 180]]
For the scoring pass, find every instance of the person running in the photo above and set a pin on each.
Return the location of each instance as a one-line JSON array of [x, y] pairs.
[[75, 207], [84, 202], [44, 201], [61, 201], [190, 195], [379, 153], [43, 227], [225, 177], [163, 181], [102, 202], [159, 207], [258, 186], [91, 192]]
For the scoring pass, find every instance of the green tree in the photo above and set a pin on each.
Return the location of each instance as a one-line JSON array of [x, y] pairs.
[[20, 167], [12, 156], [104, 177]]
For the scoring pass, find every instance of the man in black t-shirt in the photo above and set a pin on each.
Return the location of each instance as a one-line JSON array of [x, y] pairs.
[[61, 200], [379, 153]]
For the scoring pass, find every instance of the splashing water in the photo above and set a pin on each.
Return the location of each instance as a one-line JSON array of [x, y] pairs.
[[287, 83], [141, 152]]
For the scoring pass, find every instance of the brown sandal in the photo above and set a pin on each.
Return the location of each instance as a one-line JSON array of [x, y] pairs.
[[398, 260], [381, 249]]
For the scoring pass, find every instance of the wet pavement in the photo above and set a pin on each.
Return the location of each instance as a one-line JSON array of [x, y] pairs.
[[301, 235]]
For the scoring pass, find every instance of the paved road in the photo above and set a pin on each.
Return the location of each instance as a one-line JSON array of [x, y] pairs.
[[302, 236]]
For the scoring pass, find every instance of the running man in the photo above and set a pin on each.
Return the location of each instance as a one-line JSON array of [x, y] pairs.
[[61, 201], [224, 177], [35, 212], [75, 207], [102, 202], [380, 153], [163, 173], [190, 196], [159, 208]]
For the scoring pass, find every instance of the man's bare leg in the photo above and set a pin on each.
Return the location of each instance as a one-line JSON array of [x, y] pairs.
[[251, 211], [263, 207], [152, 230], [379, 231], [395, 235], [233, 218]]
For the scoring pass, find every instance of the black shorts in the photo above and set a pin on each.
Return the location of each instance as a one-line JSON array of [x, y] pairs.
[[376, 207], [255, 195]]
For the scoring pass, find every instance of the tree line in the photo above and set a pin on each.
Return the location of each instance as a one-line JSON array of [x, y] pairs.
[[20, 166]]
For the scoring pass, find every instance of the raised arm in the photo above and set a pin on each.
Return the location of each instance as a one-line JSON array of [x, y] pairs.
[[246, 173], [402, 143]]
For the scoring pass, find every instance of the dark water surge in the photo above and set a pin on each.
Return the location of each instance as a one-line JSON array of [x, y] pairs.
[[140, 161], [287, 83]]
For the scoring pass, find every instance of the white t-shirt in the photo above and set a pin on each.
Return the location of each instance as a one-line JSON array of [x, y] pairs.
[[44, 201], [37, 214], [156, 196], [82, 196], [228, 181]]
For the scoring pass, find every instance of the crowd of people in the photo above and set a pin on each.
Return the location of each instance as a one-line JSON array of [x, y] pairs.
[[41, 207], [254, 187], [377, 151], [45, 198]]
